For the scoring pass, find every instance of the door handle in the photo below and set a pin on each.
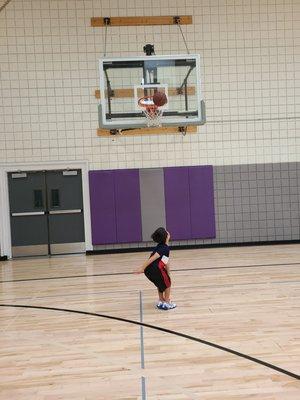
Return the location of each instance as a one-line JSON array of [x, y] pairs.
[[25, 214], [76, 211]]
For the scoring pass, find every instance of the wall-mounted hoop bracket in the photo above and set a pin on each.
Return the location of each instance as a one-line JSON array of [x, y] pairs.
[[142, 21], [166, 130], [106, 21]]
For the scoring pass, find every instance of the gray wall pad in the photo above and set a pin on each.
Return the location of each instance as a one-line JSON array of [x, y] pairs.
[[152, 200]]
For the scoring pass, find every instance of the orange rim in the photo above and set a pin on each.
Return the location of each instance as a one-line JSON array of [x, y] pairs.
[[150, 107]]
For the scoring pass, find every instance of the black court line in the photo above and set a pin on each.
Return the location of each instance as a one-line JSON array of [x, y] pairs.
[[131, 273], [4, 5], [178, 288], [158, 328]]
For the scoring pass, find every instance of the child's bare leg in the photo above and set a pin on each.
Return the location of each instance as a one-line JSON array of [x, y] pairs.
[[161, 296], [169, 305], [167, 294]]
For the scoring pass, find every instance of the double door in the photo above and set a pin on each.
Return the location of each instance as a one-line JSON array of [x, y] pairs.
[[46, 212]]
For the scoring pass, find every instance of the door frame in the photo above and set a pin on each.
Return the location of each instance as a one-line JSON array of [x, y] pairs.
[[5, 229]]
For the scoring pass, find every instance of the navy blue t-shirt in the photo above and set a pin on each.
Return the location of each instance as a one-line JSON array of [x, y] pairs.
[[164, 251], [157, 272]]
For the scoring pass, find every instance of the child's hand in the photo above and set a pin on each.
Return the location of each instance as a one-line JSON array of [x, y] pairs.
[[139, 270]]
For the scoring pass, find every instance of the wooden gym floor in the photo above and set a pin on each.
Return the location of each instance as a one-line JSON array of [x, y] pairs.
[[246, 299]]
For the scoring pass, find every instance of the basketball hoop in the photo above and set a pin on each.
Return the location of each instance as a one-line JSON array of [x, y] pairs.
[[152, 112]]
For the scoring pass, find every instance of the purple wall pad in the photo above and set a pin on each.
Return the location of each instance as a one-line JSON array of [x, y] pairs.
[[202, 202], [103, 215], [128, 206], [177, 200]]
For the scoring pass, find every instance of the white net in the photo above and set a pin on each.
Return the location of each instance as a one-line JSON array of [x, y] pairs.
[[152, 112], [153, 116]]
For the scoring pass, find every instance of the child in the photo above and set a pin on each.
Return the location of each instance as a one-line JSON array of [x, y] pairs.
[[156, 268]]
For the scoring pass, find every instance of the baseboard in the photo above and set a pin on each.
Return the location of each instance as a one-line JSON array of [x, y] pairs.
[[119, 251], [192, 246]]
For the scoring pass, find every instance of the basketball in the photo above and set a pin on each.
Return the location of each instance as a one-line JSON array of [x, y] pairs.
[[160, 99]]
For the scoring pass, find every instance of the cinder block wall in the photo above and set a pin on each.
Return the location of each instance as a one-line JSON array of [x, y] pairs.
[[251, 85]]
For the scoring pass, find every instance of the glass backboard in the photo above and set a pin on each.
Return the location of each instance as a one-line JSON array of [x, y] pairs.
[[124, 80]]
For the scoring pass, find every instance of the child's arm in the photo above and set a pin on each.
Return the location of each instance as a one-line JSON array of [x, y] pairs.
[[146, 263]]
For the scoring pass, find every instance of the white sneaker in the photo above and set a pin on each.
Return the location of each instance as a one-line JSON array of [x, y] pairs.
[[160, 305], [170, 305]]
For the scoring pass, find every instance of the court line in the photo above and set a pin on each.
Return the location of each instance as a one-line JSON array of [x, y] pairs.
[[4, 5], [131, 273], [105, 292], [144, 395], [158, 328], [32, 298], [142, 332]]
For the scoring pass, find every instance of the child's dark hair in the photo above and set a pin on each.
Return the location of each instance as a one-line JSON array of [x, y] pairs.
[[160, 235]]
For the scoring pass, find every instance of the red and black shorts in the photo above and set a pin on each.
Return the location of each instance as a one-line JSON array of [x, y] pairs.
[[157, 274]]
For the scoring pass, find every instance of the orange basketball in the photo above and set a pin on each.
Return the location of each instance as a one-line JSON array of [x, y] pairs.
[[160, 99]]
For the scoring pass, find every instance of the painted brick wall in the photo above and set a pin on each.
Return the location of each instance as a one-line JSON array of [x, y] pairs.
[[250, 73]]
